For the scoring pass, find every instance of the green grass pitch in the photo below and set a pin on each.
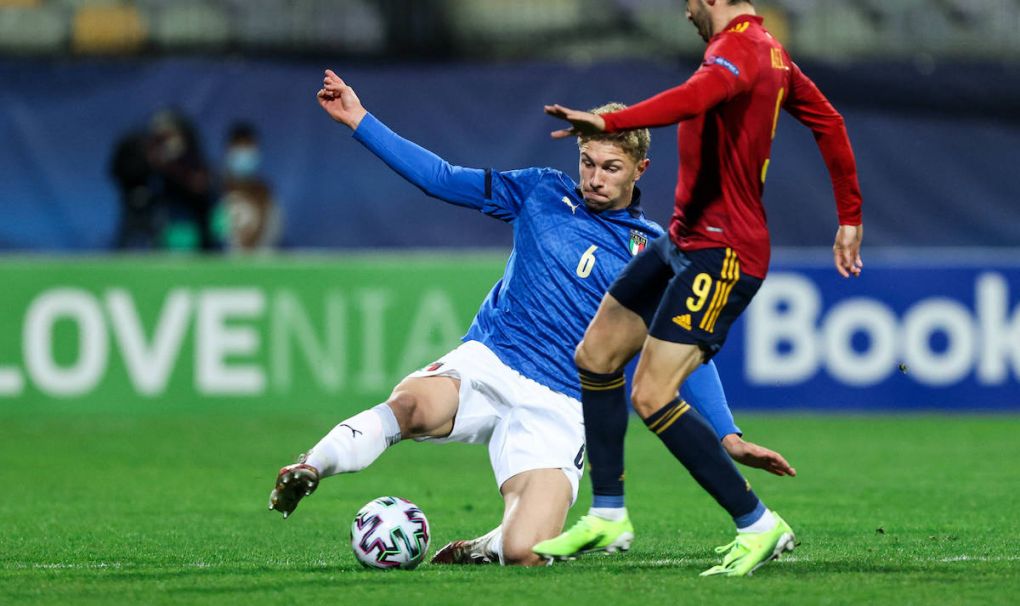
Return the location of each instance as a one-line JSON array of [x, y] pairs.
[[171, 508]]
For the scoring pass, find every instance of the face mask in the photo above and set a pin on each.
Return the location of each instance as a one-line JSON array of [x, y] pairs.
[[242, 162]]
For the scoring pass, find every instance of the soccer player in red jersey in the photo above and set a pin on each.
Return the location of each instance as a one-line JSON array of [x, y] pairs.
[[676, 301]]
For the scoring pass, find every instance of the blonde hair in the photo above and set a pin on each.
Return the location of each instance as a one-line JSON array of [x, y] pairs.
[[634, 143]]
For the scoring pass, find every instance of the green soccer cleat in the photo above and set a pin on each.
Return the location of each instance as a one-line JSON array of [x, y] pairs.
[[590, 533], [752, 550]]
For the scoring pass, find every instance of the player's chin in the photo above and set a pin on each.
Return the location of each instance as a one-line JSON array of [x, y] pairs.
[[596, 203]]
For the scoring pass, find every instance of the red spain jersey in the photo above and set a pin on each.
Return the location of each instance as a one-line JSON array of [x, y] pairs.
[[728, 111]]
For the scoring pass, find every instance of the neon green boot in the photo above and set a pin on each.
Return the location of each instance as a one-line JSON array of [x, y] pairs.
[[752, 550], [590, 533]]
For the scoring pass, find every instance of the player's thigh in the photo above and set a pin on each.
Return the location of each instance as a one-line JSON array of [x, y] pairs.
[[536, 504], [707, 294], [663, 367], [612, 338], [425, 406]]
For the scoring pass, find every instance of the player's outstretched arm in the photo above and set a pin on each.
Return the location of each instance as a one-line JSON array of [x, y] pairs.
[[753, 455], [807, 104], [847, 250], [340, 101], [712, 84], [422, 168]]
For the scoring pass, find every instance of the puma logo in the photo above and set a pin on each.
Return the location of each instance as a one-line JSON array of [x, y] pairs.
[[354, 432], [573, 207]]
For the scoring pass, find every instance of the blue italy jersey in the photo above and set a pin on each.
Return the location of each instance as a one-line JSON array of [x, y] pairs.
[[563, 261], [564, 257]]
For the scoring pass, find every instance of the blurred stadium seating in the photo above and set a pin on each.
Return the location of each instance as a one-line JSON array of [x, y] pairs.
[[925, 83], [828, 29]]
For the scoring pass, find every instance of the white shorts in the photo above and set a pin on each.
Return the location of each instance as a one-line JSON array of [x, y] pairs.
[[526, 425]]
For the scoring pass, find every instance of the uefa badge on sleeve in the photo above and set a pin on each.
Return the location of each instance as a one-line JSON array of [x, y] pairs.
[[638, 241]]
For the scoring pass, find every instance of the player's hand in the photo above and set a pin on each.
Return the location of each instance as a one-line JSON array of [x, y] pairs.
[[582, 123], [340, 101], [847, 250], [753, 455]]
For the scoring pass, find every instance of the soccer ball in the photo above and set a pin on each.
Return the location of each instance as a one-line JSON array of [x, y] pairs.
[[390, 532]]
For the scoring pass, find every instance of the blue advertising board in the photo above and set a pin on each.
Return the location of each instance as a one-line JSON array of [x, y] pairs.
[[920, 329]]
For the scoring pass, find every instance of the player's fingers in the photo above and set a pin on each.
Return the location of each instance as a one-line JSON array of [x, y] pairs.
[[773, 462], [839, 266], [555, 111], [846, 260], [851, 264], [563, 133], [783, 466], [333, 80]]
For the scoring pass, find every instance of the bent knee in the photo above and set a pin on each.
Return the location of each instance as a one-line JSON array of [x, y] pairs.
[[597, 360], [410, 412], [519, 553], [646, 401]]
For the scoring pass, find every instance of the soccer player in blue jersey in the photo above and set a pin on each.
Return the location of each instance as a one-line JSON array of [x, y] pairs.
[[511, 384]]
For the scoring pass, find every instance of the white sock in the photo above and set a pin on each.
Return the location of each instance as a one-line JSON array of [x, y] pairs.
[[613, 514], [767, 521], [495, 547], [354, 444]]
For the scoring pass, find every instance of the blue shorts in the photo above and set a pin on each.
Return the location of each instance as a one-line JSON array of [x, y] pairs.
[[686, 297]]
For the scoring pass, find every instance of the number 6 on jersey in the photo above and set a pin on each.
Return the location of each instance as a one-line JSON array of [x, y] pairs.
[[587, 262]]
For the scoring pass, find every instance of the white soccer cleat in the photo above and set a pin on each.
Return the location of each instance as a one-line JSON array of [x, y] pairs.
[[293, 483], [472, 551]]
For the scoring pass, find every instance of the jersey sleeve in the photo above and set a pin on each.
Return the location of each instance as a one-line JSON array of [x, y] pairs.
[[704, 391], [509, 189], [727, 70], [495, 194], [809, 106]]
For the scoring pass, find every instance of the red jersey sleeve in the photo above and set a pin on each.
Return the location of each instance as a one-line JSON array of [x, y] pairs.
[[808, 105], [726, 72]]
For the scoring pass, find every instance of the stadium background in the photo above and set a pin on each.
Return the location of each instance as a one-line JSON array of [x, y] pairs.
[[930, 91], [372, 279]]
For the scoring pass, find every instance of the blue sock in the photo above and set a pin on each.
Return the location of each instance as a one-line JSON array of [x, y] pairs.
[[604, 402], [686, 434]]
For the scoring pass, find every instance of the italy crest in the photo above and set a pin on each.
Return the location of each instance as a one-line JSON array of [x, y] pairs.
[[638, 241]]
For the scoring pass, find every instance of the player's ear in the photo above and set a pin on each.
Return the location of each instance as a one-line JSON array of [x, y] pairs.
[[641, 167]]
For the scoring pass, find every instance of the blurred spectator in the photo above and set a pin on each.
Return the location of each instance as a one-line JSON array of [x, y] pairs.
[[181, 181], [140, 222], [247, 218]]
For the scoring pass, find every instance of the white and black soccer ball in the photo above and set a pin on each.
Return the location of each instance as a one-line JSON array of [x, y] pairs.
[[390, 532]]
